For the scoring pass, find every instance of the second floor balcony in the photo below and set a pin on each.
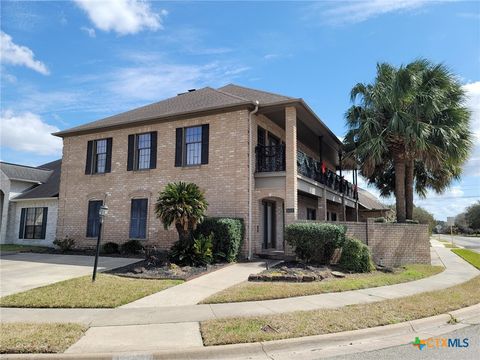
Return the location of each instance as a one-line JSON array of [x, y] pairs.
[[272, 159]]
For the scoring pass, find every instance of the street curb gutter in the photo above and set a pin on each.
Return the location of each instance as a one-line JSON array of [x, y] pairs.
[[319, 345]]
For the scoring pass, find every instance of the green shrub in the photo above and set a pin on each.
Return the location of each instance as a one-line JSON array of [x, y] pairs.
[[315, 241], [132, 247], [65, 244], [380, 220], [227, 236], [110, 248], [198, 254], [356, 256], [408, 221]]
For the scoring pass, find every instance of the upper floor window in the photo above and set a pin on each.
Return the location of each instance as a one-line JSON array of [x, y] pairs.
[[192, 145], [142, 151], [99, 156], [33, 223]]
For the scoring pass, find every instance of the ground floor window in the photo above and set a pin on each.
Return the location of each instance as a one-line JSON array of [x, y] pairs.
[[138, 219], [93, 220], [311, 214], [33, 223], [331, 216]]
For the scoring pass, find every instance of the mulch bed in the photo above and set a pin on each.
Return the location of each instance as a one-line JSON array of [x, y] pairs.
[[297, 272], [144, 270]]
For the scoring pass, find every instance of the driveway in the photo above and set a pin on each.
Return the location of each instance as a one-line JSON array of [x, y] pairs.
[[24, 271]]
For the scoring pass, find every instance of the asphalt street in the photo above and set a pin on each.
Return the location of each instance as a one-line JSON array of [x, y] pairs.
[[410, 352], [472, 243]]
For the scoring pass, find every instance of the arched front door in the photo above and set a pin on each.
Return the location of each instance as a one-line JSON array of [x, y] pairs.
[[269, 225]]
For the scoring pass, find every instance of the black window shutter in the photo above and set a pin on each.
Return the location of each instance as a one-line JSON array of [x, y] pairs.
[[131, 152], [205, 136], [153, 150], [88, 164], [22, 223], [261, 135], [108, 164], [178, 146], [44, 222]]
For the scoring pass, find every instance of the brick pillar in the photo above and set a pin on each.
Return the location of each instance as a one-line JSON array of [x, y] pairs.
[[291, 203]]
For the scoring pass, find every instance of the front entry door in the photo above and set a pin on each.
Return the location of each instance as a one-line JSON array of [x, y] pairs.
[[269, 236]]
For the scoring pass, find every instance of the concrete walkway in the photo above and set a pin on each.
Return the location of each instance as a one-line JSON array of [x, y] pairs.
[[193, 291], [185, 318]]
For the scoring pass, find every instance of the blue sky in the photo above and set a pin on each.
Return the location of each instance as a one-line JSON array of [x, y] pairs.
[[65, 63]]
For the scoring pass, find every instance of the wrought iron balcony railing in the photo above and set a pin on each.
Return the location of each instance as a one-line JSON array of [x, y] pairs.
[[270, 158], [313, 169]]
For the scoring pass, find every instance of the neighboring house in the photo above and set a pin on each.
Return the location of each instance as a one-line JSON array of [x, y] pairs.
[[29, 203], [259, 156]]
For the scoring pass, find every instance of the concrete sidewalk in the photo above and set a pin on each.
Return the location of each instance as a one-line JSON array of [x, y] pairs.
[[311, 347], [193, 291], [457, 271]]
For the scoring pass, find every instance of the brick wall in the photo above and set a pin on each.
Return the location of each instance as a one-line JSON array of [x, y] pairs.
[[392, 244], [224, 179], [399, 244]]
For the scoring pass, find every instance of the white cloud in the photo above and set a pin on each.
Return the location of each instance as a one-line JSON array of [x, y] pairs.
[[350, 12], [122, 16], [89, 31], [473, 103], [14, 54], [29, 133], [152, 78]]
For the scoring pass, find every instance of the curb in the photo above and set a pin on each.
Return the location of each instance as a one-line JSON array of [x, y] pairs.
[[318, 345]]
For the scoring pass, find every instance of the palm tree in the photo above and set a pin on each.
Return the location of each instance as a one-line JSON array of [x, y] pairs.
[[184, 205], [408, 115]]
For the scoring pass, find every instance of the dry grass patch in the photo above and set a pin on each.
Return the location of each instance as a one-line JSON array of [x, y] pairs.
[[107, 291], [353, 317], [251, 291], [20, 338]]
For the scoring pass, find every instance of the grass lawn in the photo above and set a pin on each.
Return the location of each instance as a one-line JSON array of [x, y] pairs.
[[15, 247], [449, 245], [250, 291], [468, 255], [353, 317], [107, 291], [38, 338]]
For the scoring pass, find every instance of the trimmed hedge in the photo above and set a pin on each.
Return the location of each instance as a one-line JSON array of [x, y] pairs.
[[315, 242], [110, 248], [227, 239], [132, 247], [356, 256]]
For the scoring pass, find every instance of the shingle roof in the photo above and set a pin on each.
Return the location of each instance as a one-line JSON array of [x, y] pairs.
[[51, 185], [264, 97], [25, 173], [190, 102], [369, 201]]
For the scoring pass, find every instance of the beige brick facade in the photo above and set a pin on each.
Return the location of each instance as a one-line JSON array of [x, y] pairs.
[[224, 179]]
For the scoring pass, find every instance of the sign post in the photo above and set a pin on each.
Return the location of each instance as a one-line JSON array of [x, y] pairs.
[[451, 222]]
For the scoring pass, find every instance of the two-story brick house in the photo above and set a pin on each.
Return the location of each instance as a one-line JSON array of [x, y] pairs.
[[259, 156]]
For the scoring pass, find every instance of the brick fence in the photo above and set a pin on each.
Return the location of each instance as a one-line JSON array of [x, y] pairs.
[[392, 244]]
